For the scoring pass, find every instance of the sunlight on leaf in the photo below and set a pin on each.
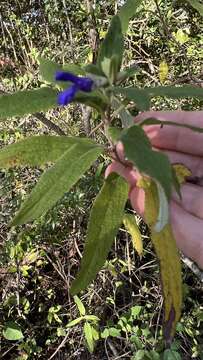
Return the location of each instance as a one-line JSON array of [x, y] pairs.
[[133, 229]]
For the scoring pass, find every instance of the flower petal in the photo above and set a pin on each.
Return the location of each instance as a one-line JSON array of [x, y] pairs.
[[66, 96], [65, 76], [83, 83]]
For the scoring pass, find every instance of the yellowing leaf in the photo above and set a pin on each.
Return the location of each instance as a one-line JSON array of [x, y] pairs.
[[133, 229], [170, 266], [182, 172], [163, 71], [181, 36]]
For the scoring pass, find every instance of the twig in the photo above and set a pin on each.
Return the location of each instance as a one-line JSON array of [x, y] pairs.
[[7, 351], [193, 267], [112, 347], [59, 347], [96, 128], [41, 117], [170, 36]]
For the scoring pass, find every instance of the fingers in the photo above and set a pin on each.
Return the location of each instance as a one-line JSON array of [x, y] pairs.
[[192, 199], [127, 173], [173, 137], [193, 163], [186, 226], [188, 233], [186, 219], [137, 199]]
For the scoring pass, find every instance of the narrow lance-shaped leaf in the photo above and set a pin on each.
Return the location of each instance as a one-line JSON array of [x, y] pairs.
[[127, 11], [80, 305], [133, 229], [57, 180], [138, 96], [89, 336], [174, 91], [26, 102], [48, 68], [197, 6], [152, 121], [38, 150], [105, 218], [169, 258], [138, 150], [113, 44]]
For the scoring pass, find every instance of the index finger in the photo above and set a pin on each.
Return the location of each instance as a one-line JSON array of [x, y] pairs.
[[172, 137]]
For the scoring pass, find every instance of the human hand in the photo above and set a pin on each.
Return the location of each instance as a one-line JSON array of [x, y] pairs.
[[182, 146]]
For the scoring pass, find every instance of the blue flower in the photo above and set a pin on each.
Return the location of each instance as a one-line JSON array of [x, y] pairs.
[[79, 84]]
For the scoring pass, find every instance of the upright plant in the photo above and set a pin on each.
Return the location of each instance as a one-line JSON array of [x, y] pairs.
[[101, 86]]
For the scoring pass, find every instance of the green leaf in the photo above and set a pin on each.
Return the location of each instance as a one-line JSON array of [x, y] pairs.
[[133, 229], [93, 69], [105, 218], [61, 332], [152, 121], [75, 322], [94, 99], [38, 150], [110, 68], [138, 149], [57, 180], [171, 355], [113, 44], [105, 333], [114, 332], [174, 91], [26, 102], [138, 96], [140, 355], [91, 318], [127, 11], [169, 260], [80, 305], [89, 337], [135, 310], [48, 68], [12, 331], [197, 6], [114, 133], [95, 334], [127, 119]]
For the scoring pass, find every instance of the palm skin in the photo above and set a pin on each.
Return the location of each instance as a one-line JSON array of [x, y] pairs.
[[182, 146]]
